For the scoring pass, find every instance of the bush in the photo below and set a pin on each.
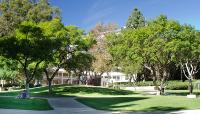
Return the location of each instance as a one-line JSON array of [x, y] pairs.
[[146, 83], [177, 85], [39, 85], [30, 86], [171, 85], [9, 85]]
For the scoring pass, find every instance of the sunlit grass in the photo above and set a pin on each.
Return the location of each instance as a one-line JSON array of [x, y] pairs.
[[142, 103], [25, 104]]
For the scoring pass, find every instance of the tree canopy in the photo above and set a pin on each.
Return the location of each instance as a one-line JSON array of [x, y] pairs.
[[135, 20]]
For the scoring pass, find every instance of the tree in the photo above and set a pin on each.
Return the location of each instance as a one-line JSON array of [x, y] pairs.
[[135, 20], [79, 63], [8, 69], [42, 11], [29, 46], [72, 40], [102, 62], [55, 30], [20, 26], [78, 59], [13, 12], [147, 46], [185, 52], [126, 49]]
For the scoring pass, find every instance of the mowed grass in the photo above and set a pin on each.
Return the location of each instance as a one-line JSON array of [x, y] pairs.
[[142, 103], [77, 91], [110, 99], [84, 91], [25, 104]]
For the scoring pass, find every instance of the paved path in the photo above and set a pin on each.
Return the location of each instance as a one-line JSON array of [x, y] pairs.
[[70, 106]]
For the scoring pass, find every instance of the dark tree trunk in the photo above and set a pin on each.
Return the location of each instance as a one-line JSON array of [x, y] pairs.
[[190, 87], [50, 86], [50, 79], [79, 79]]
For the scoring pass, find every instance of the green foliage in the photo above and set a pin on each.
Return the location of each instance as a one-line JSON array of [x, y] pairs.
[[177, 85], [9, 69], [13, 12], [79, 62], [170, 85], [135, 20], [28, 43], [154, 46], [78, 44]]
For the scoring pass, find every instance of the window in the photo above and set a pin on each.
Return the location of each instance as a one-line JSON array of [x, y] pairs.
[[114, 77], [126, 78]]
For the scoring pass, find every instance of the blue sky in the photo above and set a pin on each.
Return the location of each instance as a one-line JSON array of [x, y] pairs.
[[86, 13]]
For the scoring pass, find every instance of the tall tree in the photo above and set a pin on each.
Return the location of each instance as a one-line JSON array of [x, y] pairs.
[[8, 69], [79, 59], [149, 47], [57, 31], [72, 40], [13, 12], [185, 52], [79, 63], [102, 62], [24, 33], [135, 20], [30, 46]]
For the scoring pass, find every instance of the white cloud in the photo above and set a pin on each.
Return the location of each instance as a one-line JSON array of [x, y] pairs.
[[98, 11]]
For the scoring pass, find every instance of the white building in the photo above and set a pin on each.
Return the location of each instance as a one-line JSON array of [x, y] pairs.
[[62, 77], [112, 77]]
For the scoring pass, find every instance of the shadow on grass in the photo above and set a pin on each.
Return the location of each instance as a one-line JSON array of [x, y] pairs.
[[182, 93], [109, 103], [98, 90], [124, 104], [63, 91], [163, 108]]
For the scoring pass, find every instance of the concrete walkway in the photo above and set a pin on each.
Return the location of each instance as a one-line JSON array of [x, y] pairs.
[[70, 106]]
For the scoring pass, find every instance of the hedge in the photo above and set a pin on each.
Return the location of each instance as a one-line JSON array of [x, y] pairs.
[[171, 85]]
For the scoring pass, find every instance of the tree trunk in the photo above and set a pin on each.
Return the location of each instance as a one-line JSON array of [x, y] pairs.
[[163, 80], [27, 89], [50, 86], [50, 79], [79, 79], [190, 87], [130, 78]]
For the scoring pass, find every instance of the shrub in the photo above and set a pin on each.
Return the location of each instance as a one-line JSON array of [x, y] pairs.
[[9, 85], [177, 85], [146, 83], [30, 86], [171, 85]]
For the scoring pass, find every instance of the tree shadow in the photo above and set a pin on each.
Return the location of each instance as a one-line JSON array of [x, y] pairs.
[[182, 93], [120, 103], [109, 103], [63, 91], [163, 108], [98, 90]]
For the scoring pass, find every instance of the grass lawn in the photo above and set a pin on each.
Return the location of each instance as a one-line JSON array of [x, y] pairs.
[[77, 91], [142, 103], [25, 104], [105, 99]]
